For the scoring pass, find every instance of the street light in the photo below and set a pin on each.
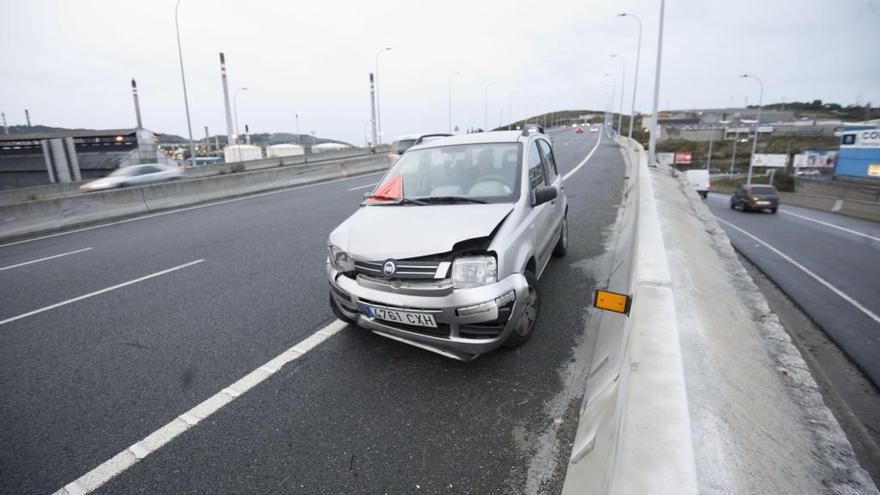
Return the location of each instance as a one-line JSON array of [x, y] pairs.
[[632, 112], [622, 91], [235, 107], [653, 143], [298, 137], [192, 146], [378, 111], [450, 98], [486, 108], [757, 124]]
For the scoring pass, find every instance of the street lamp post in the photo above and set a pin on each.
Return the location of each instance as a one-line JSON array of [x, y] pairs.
[[622, 91], [757, 125], [192, 146], [652, 147], [235, 107], [632, 112], [486, 108], [378, 111], [450, 98], [298, 137]]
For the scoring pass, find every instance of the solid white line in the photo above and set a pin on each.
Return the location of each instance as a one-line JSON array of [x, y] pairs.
[[152, 442], [44, 259], [806, 270], [188, 208], [97, 292], [854, 232], [362, 187], [584, 162]]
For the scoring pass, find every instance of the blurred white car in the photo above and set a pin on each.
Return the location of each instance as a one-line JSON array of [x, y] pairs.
[[135, 175]]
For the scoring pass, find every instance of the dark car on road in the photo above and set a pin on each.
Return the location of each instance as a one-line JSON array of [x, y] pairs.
[[755, 197]]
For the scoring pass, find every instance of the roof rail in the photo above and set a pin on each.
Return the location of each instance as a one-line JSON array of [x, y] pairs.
[[532, 128]]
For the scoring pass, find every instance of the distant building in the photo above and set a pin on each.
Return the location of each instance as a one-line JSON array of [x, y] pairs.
[[728, 123], [35, 159], [859, 154]]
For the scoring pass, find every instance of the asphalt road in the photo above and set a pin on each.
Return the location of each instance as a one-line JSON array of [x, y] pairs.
[[825, 262], [83, 380]]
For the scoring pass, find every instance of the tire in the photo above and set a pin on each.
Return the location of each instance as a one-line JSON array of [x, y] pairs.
[[732, 206], [524, 328], [773, 210], [562, 243], [704, 194], [337, 312]]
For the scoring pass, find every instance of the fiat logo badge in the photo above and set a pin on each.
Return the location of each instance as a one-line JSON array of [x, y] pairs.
[[389, 268]]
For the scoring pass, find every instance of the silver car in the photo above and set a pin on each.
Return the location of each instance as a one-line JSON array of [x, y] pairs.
[[135, 175], [446, 252]]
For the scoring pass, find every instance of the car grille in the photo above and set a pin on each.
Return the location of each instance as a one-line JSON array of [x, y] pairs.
[[405, 269]]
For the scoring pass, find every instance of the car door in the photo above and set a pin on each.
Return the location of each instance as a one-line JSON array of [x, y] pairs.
[[553, 178], [542, 215]]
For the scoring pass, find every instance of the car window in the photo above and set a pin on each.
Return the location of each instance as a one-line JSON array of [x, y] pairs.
[[486, 171], [536, 167], [763, 190], [549, 161], [124, 172], [148, 170]]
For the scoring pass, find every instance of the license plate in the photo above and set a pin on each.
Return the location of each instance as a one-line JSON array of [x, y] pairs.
[[762, 202], [405, 317]]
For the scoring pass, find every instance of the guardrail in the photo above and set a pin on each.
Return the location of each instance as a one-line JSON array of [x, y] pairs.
[[34, 217], [634, 433]]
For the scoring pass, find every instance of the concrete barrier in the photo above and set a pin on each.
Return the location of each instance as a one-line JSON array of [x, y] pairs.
[[34, 217], [634, 429], [13, 196]]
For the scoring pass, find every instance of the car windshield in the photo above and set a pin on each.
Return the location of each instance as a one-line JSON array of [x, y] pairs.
[[124, 172], [473, 173], [763, 190]]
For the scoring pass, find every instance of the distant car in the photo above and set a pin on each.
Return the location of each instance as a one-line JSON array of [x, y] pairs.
[[135, 175], [594, 129], [809, 173], [403, 143], [755, 197], [579, 130], [699, 179]]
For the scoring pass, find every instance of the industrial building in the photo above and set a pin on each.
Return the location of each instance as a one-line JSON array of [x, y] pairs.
[[35, 159], [859, 154]]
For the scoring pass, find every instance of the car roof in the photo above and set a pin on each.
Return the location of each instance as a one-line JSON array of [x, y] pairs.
[[475, 138]]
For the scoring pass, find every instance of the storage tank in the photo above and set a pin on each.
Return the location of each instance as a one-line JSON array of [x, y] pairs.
[[325, 147], [242, 153], [279, 150]]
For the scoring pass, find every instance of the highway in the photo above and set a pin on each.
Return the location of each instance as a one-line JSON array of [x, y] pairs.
[[108, 334], [823, 261]]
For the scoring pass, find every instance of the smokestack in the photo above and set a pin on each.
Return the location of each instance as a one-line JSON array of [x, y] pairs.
[[137, 105], [229, 139], [27, 116], [5, 129], [373, 108]]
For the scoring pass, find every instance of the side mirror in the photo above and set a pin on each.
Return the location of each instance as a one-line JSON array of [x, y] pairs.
[[544, 194]]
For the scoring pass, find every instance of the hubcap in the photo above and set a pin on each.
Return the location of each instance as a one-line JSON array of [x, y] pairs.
[[530, 312]]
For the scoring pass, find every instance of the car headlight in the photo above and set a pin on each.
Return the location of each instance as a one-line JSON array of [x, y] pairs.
[[474, 271], [340, 260]]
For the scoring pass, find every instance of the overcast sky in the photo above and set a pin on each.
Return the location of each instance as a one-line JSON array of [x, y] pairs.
[[70, 62]]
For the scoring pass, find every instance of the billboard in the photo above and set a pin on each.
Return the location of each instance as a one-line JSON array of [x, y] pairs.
[[815, 159], [770, 160], [684, 157], [865, 138], [665, 159]]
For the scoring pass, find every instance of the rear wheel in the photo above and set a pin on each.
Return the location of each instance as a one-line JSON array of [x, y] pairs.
[[562, 243], [526, 324]]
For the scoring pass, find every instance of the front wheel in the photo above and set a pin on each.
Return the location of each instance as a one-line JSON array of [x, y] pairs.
[[338, 313], [523, 328], [562, 243]]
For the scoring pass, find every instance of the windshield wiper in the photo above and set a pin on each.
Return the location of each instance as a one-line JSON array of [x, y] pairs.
[[395, 200], [451, 199]]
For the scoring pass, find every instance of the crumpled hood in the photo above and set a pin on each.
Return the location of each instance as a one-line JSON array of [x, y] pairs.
[[376, 233]]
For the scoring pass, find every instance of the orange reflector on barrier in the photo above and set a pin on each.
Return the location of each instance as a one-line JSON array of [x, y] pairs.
[[612, 301]]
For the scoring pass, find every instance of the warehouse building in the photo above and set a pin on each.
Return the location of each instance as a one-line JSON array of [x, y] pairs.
[[859, 154]]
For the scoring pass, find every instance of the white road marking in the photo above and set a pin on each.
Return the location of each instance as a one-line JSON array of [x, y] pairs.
[[188, 208], [850, 231], [362, 187], [152, 442], [44, 259], [97, 292], [716, 197], [584, 162], [806, 270]]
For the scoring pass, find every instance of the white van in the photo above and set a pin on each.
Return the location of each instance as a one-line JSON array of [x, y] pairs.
[[699, 178]]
